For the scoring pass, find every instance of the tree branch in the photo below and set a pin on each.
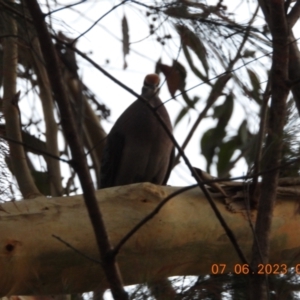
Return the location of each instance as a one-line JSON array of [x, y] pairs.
[[53, 165], [279, 91], [11, 109], [184, 238]]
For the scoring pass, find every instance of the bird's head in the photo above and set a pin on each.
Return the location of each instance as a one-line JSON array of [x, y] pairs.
[[151, 85]]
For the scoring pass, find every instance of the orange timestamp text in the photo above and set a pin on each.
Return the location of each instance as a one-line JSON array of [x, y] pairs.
[[262, 269]]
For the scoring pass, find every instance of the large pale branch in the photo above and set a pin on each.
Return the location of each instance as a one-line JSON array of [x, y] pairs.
[[184, 238]]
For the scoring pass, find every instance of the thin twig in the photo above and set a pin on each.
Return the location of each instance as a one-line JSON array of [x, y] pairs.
[[260, 139], [64, 7], [35, 149], [76, 250], [97, 21]]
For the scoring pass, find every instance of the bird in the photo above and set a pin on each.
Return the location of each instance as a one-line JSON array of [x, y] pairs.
[[138, 148]]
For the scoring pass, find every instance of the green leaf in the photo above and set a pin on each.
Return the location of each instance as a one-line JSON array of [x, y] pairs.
[[243, 133], [245, 141], [248, 53], [224, 111], [255, 82], [190, 39], [190, 102], [190, 105], [190, 61], [181, 114], [226, 152], [213, 138], [208, 146]]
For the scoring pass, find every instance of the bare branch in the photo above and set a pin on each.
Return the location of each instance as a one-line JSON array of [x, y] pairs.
[[279, 91], [11, 110], [50, 123]]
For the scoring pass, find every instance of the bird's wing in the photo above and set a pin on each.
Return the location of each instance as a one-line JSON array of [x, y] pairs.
[[111, 159], [170, 167]]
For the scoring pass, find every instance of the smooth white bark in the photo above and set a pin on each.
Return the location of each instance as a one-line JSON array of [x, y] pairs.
[[185, 238]]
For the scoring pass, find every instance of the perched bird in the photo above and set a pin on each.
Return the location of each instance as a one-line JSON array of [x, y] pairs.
[[137, 148]]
